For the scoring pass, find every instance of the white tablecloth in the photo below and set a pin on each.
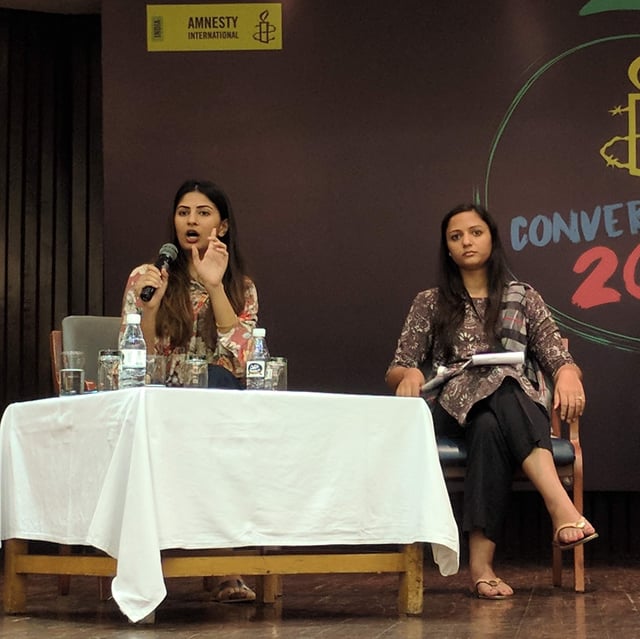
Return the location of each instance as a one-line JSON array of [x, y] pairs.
[[135, 471]]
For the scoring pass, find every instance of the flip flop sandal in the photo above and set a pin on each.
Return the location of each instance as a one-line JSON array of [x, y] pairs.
[[580, 525], [492, 583], [234, 591]]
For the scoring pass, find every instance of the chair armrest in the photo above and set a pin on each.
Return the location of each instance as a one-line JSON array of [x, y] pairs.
[[567, 430]]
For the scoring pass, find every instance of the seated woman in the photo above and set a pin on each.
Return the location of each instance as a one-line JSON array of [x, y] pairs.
[[204, 305], [499, 410]]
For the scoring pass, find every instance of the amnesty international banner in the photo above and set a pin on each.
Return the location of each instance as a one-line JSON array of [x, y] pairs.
[[214, 27]]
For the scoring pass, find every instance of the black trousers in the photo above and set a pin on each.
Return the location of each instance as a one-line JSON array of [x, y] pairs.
[[220, 377], [501, 432]]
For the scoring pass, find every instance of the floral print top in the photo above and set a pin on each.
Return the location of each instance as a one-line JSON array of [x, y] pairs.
[[418, 347], [225, 349]]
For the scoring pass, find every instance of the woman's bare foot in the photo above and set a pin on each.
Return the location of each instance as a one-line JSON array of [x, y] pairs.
[[573, 533], [233, 589], [485, 584], [491, 588]]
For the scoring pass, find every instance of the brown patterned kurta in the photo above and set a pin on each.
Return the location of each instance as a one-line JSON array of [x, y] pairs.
[[418, 347]]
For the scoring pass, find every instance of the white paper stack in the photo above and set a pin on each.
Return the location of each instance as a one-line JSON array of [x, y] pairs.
[[509, 358], [496, 359]]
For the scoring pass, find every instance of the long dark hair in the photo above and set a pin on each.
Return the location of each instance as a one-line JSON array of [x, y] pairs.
[[175, 315], [452, 293]]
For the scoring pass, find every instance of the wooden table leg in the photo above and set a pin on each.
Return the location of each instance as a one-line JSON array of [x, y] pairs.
[[104, 588], [268, 588], [15, 584], [64, 581], [410, 593]]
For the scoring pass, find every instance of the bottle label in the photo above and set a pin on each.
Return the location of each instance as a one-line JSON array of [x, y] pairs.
[[255, 368], [134, 358]]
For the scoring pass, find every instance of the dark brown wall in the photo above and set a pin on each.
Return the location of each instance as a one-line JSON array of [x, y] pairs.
[[50, 189], [342, 152]]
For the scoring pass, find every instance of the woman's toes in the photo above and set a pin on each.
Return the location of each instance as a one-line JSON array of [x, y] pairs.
[[570, 533], [492, 589]]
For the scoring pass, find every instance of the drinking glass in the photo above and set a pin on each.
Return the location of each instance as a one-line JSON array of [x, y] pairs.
[[156, 370], [176, 366], [276, 376], [73, 359], [108, 369], [197, 373], [71, 381]]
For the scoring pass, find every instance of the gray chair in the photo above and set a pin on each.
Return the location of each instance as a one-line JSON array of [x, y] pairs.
[[90, 334]]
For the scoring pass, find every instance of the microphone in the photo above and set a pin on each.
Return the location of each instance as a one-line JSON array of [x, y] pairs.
[[168, 253]]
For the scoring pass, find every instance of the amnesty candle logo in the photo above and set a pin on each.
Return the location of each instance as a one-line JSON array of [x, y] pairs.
[[633, 131], [214, 27]]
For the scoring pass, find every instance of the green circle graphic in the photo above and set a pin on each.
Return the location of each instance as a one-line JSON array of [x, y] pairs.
[[566, 322]]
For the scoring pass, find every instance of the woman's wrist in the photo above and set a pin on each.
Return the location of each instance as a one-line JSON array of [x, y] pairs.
[[414, 375], [568, 367], [216, 290], [148, 317], [225, 316]]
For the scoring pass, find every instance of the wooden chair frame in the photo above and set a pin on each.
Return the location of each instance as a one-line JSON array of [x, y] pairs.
[[571, 476], [55, 351]]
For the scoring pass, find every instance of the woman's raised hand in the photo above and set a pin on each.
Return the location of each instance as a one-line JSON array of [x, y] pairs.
[[213, 264]]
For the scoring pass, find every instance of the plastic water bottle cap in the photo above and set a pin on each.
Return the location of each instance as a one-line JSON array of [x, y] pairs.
[[259, 332], [133, 318]]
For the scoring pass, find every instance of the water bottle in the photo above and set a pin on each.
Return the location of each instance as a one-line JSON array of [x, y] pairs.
[[257, 357], [134, 354]]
